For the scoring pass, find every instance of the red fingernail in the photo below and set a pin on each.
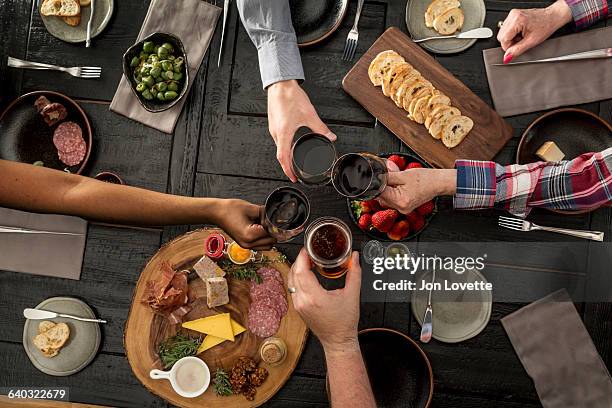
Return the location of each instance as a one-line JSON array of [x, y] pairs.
[[507, 58]]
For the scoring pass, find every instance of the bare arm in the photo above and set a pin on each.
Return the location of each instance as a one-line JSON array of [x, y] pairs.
[[38, 189], [352, 390]]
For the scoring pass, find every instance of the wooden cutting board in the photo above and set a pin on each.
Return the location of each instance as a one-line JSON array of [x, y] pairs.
[[490, 132], [144, 330]]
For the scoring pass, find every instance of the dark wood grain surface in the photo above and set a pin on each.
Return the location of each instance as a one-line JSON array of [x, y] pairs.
[[221, 147]]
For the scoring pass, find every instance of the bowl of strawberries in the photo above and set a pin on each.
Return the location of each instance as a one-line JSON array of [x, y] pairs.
[[387, 224]]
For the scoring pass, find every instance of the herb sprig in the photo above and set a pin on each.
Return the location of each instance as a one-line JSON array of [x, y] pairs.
[[176, 347], [222, 384], [249, 270]]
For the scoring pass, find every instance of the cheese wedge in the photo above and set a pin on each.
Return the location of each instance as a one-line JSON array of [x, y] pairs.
[[218, 325], [549, 151], [211, 341]]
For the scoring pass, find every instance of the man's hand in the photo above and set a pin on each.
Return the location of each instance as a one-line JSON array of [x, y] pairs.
[[288, 109], [331, 315], [524, 29], [240, 219], [408, 189]]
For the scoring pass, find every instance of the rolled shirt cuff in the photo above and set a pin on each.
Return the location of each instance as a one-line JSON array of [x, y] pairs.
[[279, 61], [476, 184], [587, 12]]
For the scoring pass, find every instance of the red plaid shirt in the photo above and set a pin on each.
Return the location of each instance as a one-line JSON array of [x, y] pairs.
[[582, 183], [588, 12]]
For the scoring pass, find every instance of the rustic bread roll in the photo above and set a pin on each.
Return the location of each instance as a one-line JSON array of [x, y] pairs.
[[44, 326], [449, 22], [62, 8], [455, 130], [437, 8], [381, 64], [390, 76], [72, 21], [439, 121]]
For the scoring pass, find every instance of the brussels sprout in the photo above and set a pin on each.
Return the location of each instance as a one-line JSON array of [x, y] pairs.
[[161, 86], [173, 86], [147, 95], [134, 62], [160, 96], [148, 46], [141, 87], [170, 95], [168, 46]]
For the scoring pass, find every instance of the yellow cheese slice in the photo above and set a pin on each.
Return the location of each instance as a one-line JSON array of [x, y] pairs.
[[218, 325], [211, 341]]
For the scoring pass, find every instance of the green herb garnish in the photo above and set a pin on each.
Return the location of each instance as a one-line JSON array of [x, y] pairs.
[[249, 270], [176, 347], [221, 382]]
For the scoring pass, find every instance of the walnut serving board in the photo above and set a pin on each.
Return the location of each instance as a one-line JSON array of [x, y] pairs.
[[144, 330], [490, 132]]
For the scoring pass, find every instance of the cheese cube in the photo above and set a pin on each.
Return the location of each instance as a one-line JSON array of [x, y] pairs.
[[207, 268], [549, 151], [216, 292]]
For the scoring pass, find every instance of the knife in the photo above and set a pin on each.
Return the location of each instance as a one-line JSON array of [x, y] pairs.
[[427, 328], [39, 314], [601, 53], [30, 231], [226, 4], [91, 16]]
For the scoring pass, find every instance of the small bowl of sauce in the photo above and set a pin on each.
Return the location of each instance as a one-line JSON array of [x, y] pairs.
[[239, 255], [109, 177], [189, 377]]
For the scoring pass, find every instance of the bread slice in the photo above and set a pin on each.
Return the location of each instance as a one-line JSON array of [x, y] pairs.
[[62, 8], [381, 64], [390, 76], [425, 91], [399, 81], [450, 22], [438, 98], [44, 326], [455, 130], [437, 8], [72, 21], [408, 81], [57, 335], [413, 91], [418, 110], [440, 120], [437, 109]]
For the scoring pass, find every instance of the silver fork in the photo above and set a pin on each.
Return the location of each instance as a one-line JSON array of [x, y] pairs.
[[353, 36], [522, 225], [79, 72]]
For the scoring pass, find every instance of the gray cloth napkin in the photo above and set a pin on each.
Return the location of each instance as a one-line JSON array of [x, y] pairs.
[[194, 22], [556, 350], [533, 87], [60, 256]]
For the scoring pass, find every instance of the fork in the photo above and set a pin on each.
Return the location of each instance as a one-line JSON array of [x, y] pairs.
[[79, 72], [522, 225], [353, 36]]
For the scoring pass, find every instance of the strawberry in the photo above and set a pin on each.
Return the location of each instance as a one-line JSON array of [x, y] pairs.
[[426, 209], [400, 230], [413, 216], [383, 220], [371, 205], [417, 224], [398, 160], [414, 165], [359, 208], [365, 222]]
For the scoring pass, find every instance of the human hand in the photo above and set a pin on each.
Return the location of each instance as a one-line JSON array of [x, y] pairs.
[[331, 315], [406, 190], [524, 29], [288, 109], [240, 219]]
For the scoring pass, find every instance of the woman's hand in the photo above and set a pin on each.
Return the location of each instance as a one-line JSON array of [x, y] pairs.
[[288, 109], [331, 315], [524, 29], [240, 219], [408, 189]]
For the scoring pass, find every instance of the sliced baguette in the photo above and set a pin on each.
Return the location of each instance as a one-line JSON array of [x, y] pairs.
[[72, 21], [62, 8], [455, 130]]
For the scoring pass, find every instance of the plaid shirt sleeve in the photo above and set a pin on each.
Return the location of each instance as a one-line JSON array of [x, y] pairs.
[[582, 183], [587, 12]]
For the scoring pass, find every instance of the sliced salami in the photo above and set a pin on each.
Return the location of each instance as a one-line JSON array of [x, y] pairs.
[[67, 137], [270, 273], [278, 302], [263, 320], [73, 158], [272, 288]]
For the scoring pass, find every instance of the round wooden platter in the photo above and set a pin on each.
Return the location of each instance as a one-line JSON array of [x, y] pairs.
[[144, 330]]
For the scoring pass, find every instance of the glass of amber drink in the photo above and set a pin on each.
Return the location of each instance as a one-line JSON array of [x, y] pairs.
[[329, 242]]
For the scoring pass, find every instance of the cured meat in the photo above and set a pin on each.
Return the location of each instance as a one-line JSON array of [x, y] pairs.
[[263, 320], [177, 315], [270, 273], [67, 137], [167, 293], [72, 158], [279, 303], [273, 288], [41, 102], [53, 113]]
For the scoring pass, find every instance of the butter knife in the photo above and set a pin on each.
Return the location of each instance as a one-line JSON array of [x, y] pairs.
[[16, 230], [226, 5], [427, 327], [39, 314], [91, 16], [601, 53]]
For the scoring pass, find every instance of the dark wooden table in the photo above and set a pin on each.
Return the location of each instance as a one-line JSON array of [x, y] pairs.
[[221, 148]]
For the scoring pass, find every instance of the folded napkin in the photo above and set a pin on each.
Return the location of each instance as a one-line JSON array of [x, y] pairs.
[[60, 256], [193, 21], [558, 354], [533, 87]]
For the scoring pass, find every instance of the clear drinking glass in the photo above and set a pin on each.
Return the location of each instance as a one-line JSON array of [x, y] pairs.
[[360, 176], [313, 157], [329, 243], [285, 213]]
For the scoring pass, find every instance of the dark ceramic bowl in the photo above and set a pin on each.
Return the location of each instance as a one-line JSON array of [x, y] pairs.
[[154, 105], [381, 236], [109, 177]]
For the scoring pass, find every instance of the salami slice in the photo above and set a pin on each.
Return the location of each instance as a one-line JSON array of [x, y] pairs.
[[73, 158], [272, 288], [270, 273], [67, 137], [278, 302], [263, 321]]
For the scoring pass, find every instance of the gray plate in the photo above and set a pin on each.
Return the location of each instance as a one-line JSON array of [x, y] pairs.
[[474, 11], [81, 347], [59, 29], [454, 320]]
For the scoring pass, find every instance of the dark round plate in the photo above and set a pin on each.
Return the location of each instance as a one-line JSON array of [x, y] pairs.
[[381, 236], [315, 20], [575, 131], [26, 138], [399, 370]]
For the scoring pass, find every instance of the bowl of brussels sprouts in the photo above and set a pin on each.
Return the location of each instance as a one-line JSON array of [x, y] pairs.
[[157, 70]]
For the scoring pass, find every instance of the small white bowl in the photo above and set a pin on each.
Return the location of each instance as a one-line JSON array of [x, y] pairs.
[[171, 376]]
